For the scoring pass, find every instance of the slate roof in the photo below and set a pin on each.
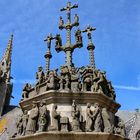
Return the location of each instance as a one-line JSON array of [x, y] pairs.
[[8, 123], [132, 123]]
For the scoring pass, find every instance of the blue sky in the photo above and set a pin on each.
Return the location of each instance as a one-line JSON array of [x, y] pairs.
[[116, 39]]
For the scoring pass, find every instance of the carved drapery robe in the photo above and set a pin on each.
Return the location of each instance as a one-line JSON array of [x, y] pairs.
[[89, 119], [32, 122], [55, 120], [106, 121], [25, 121], [75, 119], [42, 120]]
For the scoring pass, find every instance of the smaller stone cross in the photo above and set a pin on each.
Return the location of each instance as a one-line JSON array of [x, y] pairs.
[[48, 54], [88, 30], [90, 46]]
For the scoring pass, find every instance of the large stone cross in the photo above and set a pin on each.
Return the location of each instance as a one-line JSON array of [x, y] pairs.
[[68, 48]]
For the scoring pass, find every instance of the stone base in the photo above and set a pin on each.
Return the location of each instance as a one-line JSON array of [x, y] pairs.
[[71, 136], [65, 98]]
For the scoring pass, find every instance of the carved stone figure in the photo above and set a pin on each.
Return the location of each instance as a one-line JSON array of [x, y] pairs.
[[55, 72], [111, 90], [58, 42], [89, 118], [76, 20], [87, 83], [97, 118], [25, 92], [24, 121], [61, 23], [64, 78], [107, 127], [40, 76], [78, 36], [67, 82], [88, 30], [32, 121], [48, 40], [19, 125], [119, 126], [102, 83], [55, 119], [75, 113], [64, 70], [94, 87], [52, 82], [75, 83], [61, 82], [86, 77], [42, 119]]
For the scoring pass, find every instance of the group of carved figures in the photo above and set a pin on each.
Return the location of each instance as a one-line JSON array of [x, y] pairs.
[[40, 119], [83, 79], [58, 39]]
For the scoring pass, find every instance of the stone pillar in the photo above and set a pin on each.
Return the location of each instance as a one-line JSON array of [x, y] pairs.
[[48, 56], [91, 48]]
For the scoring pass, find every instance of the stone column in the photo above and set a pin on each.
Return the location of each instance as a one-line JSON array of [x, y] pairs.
[[91, 48]]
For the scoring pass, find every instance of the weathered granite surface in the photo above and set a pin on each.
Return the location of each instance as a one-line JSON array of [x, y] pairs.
[[4, 134], [71, 136], [66, 97]]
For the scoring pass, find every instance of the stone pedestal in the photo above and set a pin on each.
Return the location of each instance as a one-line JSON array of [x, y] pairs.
[[64, 99], [71, 136]]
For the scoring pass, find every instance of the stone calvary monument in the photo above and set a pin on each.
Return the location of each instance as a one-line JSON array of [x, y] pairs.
[[69, 103]]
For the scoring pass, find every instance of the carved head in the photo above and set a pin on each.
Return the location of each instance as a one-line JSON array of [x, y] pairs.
[[34, 104], [96, 105], [40, 68], [50, 35], [88, 105], [104, 110], [51, 74], [73, 70], [74, 105], [54, 107], [69, 4], [43, 102], [25, 112]]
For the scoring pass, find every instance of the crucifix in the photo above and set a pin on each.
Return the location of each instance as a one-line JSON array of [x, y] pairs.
[[68, 48], [48, 54], [91, 46], [88, 30]]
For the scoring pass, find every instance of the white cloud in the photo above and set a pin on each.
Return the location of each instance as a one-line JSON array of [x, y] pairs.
[[127, 87]]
